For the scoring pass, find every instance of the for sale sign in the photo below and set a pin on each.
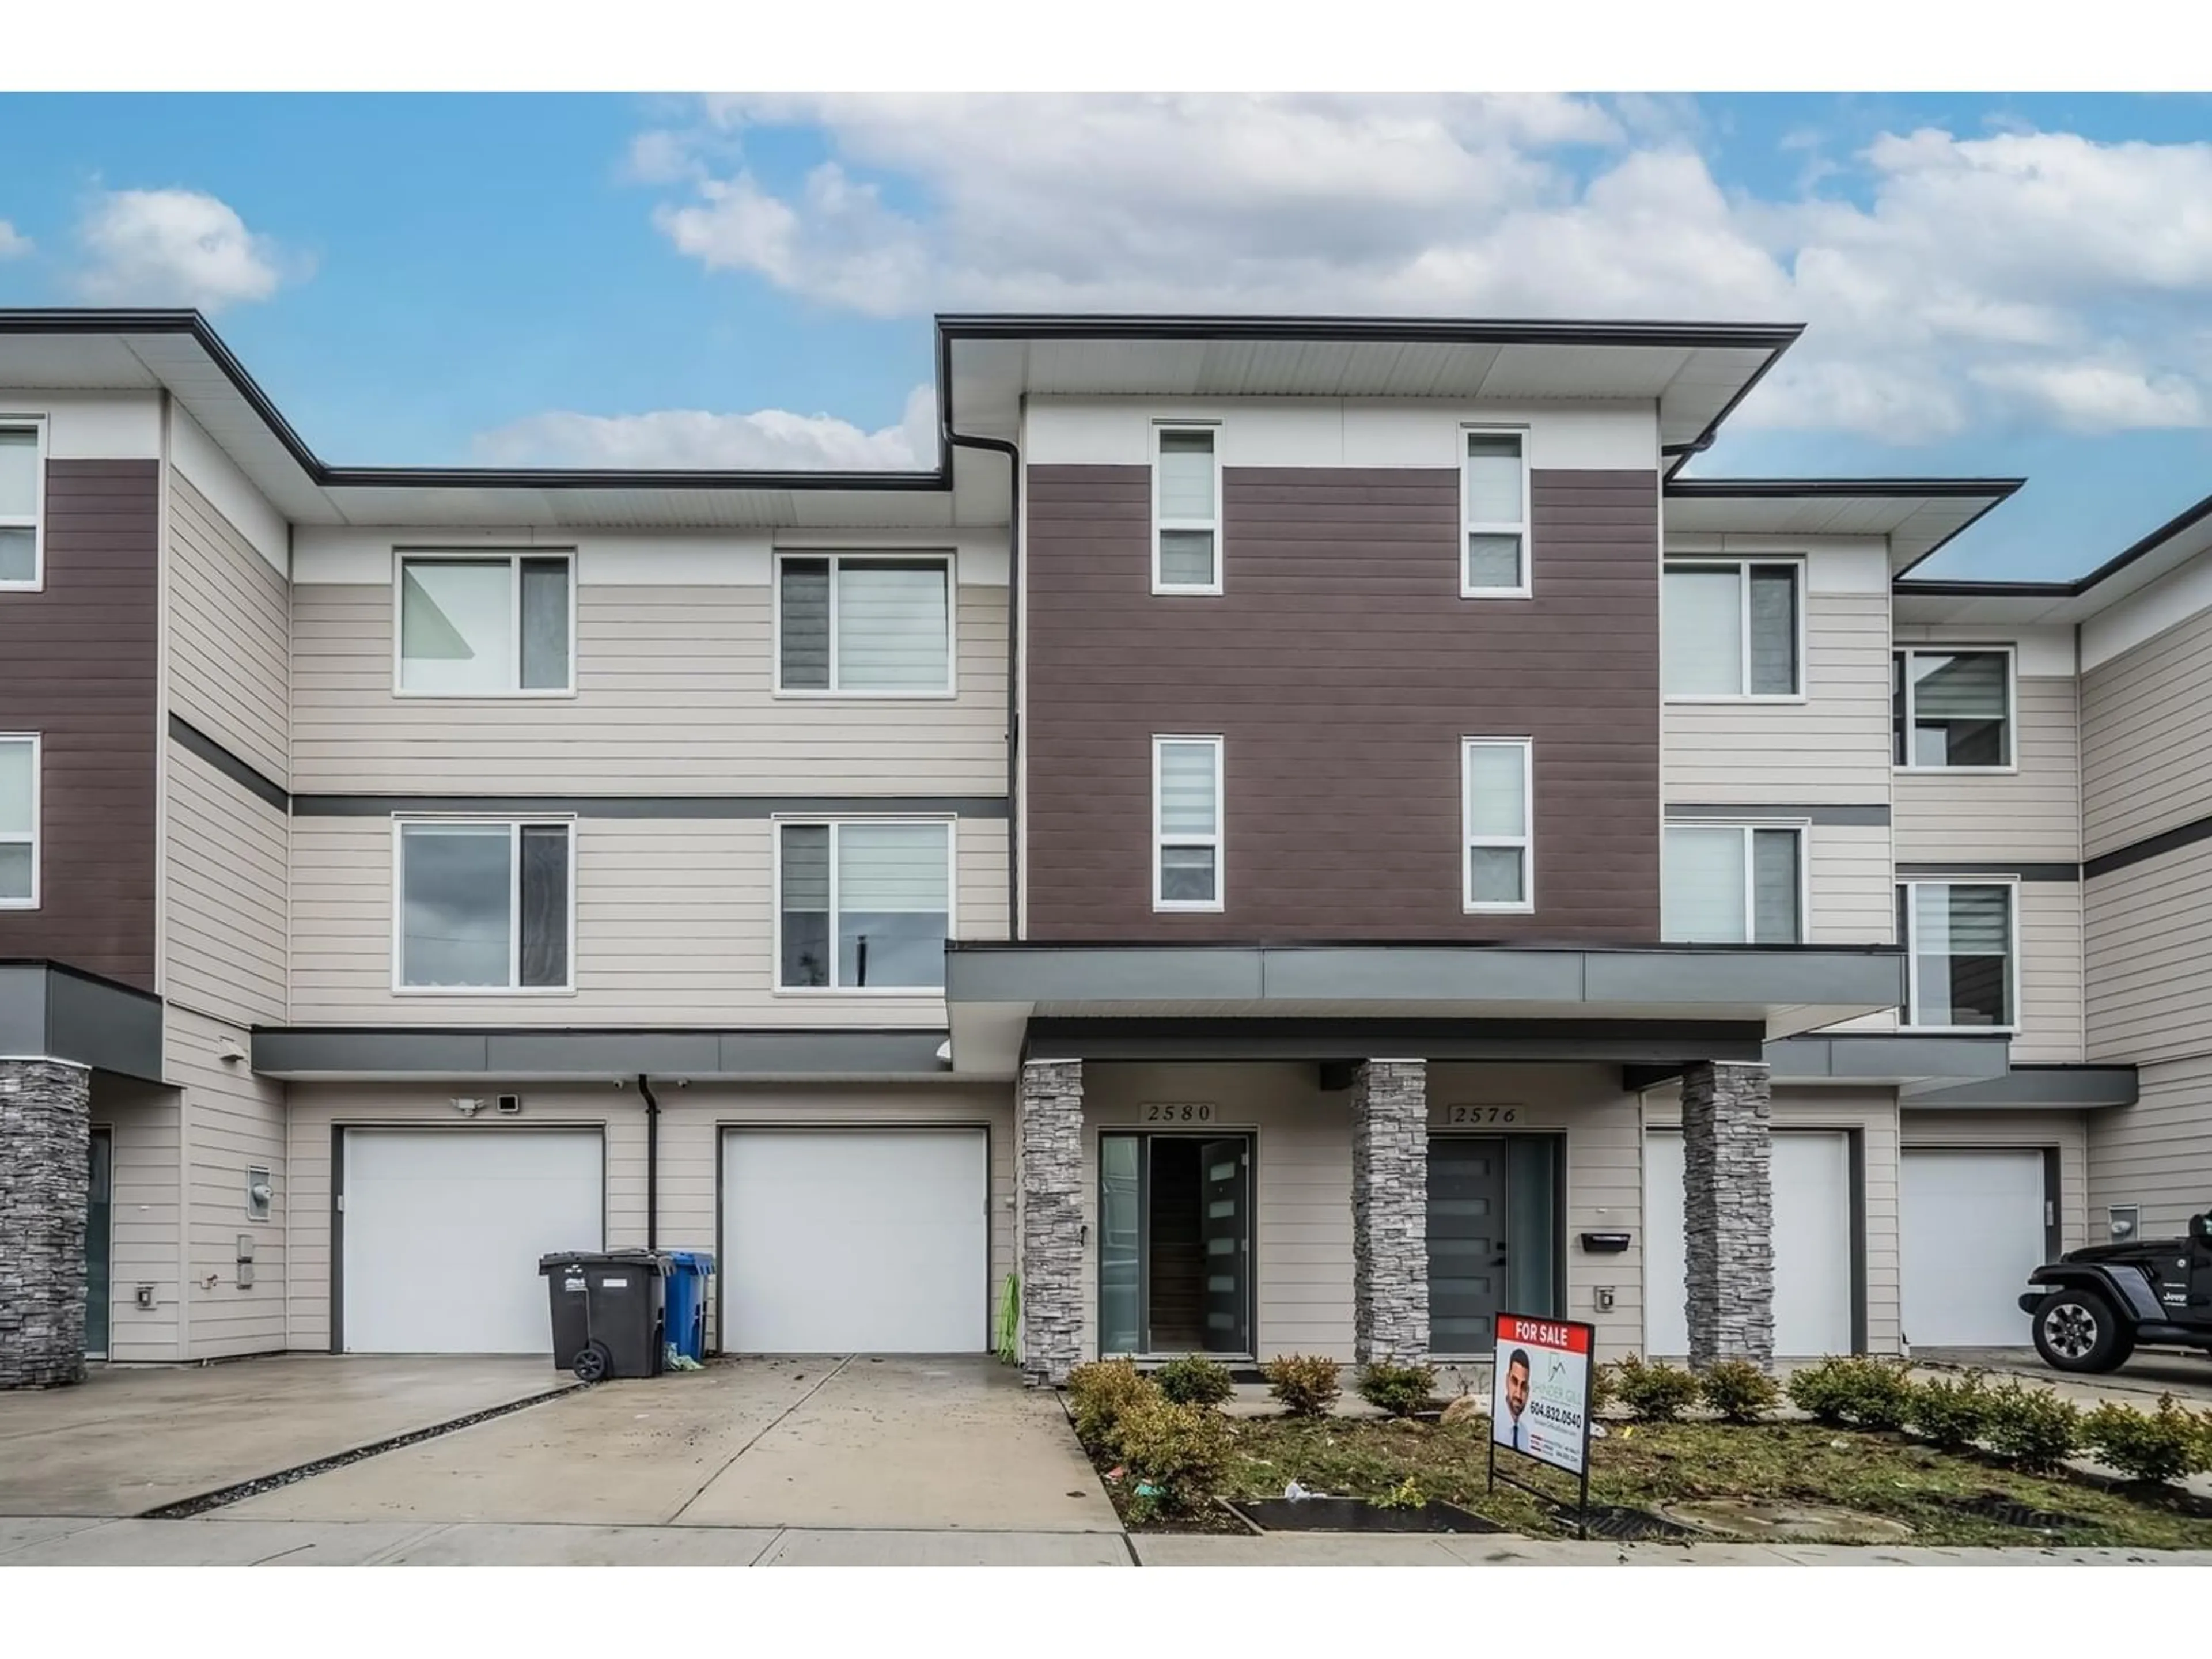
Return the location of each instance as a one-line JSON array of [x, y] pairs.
[[1540, 1390]]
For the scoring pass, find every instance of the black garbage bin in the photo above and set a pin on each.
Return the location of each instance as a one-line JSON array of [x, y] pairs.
[[607, 1311]]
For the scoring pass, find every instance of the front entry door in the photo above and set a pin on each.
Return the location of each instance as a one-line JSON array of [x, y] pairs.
[[1467, 1243], [98, 1269], [1175, 1244], [1227, 1233]]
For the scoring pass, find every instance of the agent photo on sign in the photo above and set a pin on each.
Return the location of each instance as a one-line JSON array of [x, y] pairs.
[[1516, 1427]]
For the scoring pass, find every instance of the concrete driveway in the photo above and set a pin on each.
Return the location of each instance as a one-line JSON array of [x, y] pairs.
[[2147, 1374], [130, 1440]]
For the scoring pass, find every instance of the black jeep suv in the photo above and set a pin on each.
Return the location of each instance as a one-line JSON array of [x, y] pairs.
[[2092, 1307]]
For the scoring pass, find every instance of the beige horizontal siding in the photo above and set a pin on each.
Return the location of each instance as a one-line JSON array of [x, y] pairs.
[[2157, 1152], [675, 925], [2146, 739], [2033, 813], [227, 886], [2149, 939], [690, 1125], [2050, 1020], [234, 1123], [674, 695], [2068, 1132], [1832, 749], [1852, 883], [229, 634], [144, 1227]]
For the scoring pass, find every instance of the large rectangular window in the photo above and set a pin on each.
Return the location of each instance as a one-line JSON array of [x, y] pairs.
[[1959, 940], [486, 625], [1731, 884], [1186, 511], [1952, 710], [867, 626], [1731, 629], [1494, 511], [22, 502], [1498, 797], [863, 906], [1187, 792], [18, 822], [485, 906]]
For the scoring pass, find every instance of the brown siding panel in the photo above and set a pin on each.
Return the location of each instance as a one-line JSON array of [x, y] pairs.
[[1341, 667], [78, 665]]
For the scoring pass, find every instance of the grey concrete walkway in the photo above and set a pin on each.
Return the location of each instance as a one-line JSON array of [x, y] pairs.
[[131, 1439], [2146, 1376]]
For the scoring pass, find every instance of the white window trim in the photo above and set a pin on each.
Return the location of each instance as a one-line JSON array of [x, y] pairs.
[[1217, 841], [403, 557], [779, 824], [1212, 430], [36, 524], [838, 557], [1801, 828], [1910, 909], [1921, 647], [514, 827], [38, 823], [1742, 562], [1468, 527], [1526, 841]]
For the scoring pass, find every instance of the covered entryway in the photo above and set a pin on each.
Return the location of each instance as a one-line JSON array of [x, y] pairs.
[[1813, 1259], [1974, 1225], [441, 1230], [843, 1241]]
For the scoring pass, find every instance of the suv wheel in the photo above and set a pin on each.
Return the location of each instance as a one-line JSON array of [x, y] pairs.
[[2078, 1331]]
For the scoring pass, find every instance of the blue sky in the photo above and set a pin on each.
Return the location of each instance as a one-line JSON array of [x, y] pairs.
[[1994, 284]]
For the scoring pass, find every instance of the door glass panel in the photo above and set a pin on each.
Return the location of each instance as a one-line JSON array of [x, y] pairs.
[[1121, 1220], [1532, 1278], [1228, 1247], [1466, 1187], [97, 1229]]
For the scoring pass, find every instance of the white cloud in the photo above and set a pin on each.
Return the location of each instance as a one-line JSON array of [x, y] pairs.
[[2039, 277], [176, 248], [768, 439], [12, 243]]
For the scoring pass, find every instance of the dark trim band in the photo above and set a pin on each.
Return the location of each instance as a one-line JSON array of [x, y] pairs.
[[652, 806], [1722, 812], [237, 769], [1940, 871], [515, 1054], [2150, 846]]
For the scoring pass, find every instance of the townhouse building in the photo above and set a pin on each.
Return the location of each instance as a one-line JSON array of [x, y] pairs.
[[1296, 835]]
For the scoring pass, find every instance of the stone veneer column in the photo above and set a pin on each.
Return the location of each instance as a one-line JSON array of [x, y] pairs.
[[45, 1188], [1390, 1211], [1048, 1186], [1728, 1212]]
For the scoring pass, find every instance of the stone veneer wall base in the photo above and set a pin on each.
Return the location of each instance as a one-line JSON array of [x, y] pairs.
[[46, 1184], [1729, 1212], [1390, 1211], [1049, 1230]]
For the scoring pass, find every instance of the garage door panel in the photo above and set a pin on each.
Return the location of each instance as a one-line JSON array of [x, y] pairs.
[[1971, 1231]]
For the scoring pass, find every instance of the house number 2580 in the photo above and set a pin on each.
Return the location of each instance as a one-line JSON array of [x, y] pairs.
[[1178, 1114], [1482, 1114]]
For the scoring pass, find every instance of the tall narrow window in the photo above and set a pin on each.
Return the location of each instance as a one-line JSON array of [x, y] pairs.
[[868, 625], [18, 822], [863, 906], [1952, 710], [1494, 496], [1499, 799], [484, 907], [1959, 940], [496, 625], [1730, 885], [1730, 629], [1186, 511], [1186, 823], [22, 500]]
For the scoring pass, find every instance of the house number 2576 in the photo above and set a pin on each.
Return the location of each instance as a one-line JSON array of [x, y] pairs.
[[1481, 1114], [1178, 1114]]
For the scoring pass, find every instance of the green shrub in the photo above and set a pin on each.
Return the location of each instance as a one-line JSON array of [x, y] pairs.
[[1817, 1390], [1860, 1389], [2162, 1445], [1954, 1415], [1737, 1391], [1194, 1380], [1099, 1394], [1603, 1388], [1183, 1451], [1653, 1392], [2032, 1427], [1307, 1384], [1400, 1390]]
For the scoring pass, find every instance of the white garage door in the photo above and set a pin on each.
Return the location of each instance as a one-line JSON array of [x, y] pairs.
[[443, 1229], [1811, 1176], [844, 1240], [1973, 1232]]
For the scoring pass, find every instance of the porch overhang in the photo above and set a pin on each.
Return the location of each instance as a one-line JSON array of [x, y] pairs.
[[1903, 1060], [397, 1055], [1553, 1002], [51, 1012], [2028, 1088]]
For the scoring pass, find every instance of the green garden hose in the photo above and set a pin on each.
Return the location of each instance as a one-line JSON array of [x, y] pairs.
[[1010, 1321]]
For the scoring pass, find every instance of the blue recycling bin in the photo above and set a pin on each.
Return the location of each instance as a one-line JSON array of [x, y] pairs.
[[686, 1301]]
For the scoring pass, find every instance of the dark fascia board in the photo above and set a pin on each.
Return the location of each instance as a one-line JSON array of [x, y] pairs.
[[1992, 493], [1625, 1042], [517, 1052], [2025, 1087], [2188, 519], [52, 1010]]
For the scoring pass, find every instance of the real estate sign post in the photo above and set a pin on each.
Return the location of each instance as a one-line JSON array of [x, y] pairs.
[[1540, 1399]]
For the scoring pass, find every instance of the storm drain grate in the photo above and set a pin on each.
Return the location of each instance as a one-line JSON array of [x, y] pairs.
[[1357, 1514], [1615, 1521], [1995, 1506]]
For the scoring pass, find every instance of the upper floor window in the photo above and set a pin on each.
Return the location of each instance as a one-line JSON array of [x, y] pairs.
[[485, 906], [1959, 938], [1732, 628], [863, 906], [1730, 885], [486, 625], [1952, 710], [18, 822], [1186, 511], [867, 625], [1494, 503], [23, 500], [1497, 797], [1186, 823]]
